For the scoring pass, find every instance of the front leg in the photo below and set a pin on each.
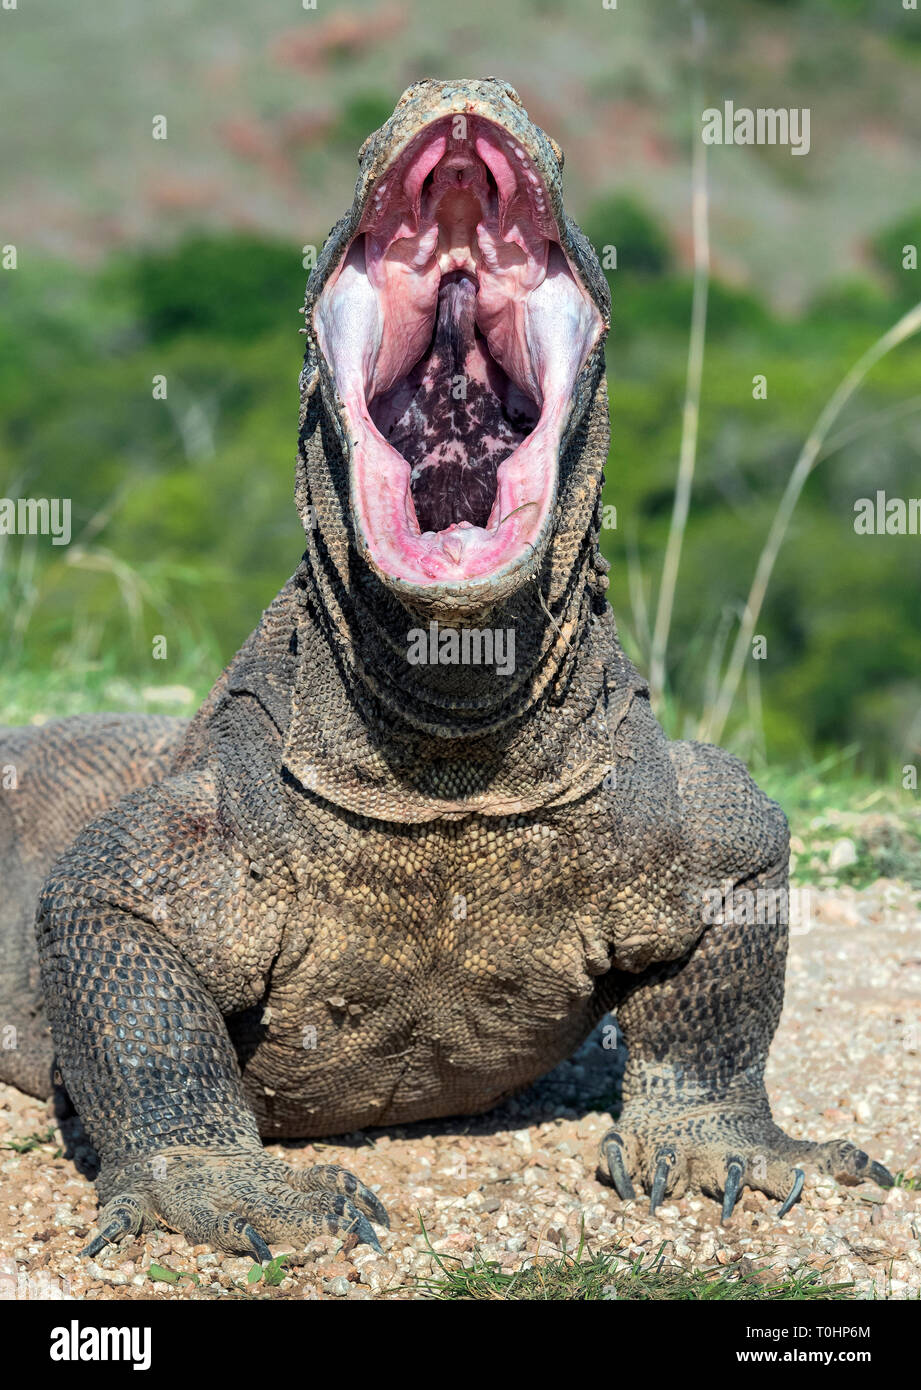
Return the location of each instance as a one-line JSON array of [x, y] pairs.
[[697, 1031], [148, 1062]]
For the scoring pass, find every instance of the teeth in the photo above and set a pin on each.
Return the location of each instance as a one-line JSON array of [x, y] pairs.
[[487, 245], [426, 247]]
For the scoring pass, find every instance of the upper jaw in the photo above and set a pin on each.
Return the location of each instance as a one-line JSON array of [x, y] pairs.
[[455, 318]]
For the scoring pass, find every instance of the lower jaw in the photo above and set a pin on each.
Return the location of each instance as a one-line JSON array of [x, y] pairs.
[[461, 554]]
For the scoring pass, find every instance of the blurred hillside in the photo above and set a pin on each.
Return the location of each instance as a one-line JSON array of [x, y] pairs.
[[182, 259], [267, 105]]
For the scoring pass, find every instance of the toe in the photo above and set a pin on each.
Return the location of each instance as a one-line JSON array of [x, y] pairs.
[[355, 1221], [612, 1150], [735, 1174], [848, 1164], [123, 1215], [880, 1175], [793, 1195], [331, 1178], [257, 1244], [667, 1175], [277, 1213]]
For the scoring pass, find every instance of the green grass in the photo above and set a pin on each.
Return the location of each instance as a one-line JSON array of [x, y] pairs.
[[28, 697], [32, 1142], [584, 1277], [827, 802], [159, 1274], [270, 1274]]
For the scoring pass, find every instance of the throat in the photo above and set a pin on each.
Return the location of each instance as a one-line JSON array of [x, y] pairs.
[[456, 417]]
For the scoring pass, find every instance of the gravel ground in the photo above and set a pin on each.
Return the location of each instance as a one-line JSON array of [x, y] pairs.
[[520, 1180]]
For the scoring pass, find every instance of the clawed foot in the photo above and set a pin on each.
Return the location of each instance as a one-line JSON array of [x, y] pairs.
[[719, 1155], [239, 1202]]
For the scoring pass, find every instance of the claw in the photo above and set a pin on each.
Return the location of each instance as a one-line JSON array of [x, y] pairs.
[[121, 1226], [617, 1168], [665, 1160], [377, 1210], [734, 1173], [257, 1245], [880, 1175], [794, 1192], [362, 1227]]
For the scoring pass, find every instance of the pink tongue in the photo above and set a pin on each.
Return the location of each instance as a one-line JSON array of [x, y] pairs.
[[452, 419]]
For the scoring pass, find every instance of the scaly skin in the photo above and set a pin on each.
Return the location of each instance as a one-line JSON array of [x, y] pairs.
[[54, 780], [368, 892]]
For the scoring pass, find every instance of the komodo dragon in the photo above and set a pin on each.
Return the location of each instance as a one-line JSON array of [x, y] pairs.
[[384, 876]]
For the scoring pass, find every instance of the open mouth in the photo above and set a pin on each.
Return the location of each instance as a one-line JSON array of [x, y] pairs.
[[455, 330]]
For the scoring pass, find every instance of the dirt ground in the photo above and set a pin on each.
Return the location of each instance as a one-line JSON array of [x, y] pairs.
[[522, 1180]]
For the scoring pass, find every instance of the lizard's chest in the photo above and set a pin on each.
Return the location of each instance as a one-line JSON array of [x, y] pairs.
[[485, 909], [428, 971]]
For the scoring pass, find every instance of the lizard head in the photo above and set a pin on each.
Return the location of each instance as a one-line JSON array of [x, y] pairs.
[[455, 325]]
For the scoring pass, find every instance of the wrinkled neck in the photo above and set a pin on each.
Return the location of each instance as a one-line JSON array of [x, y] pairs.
[[454, 676], [465, 674], [441, 742]]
